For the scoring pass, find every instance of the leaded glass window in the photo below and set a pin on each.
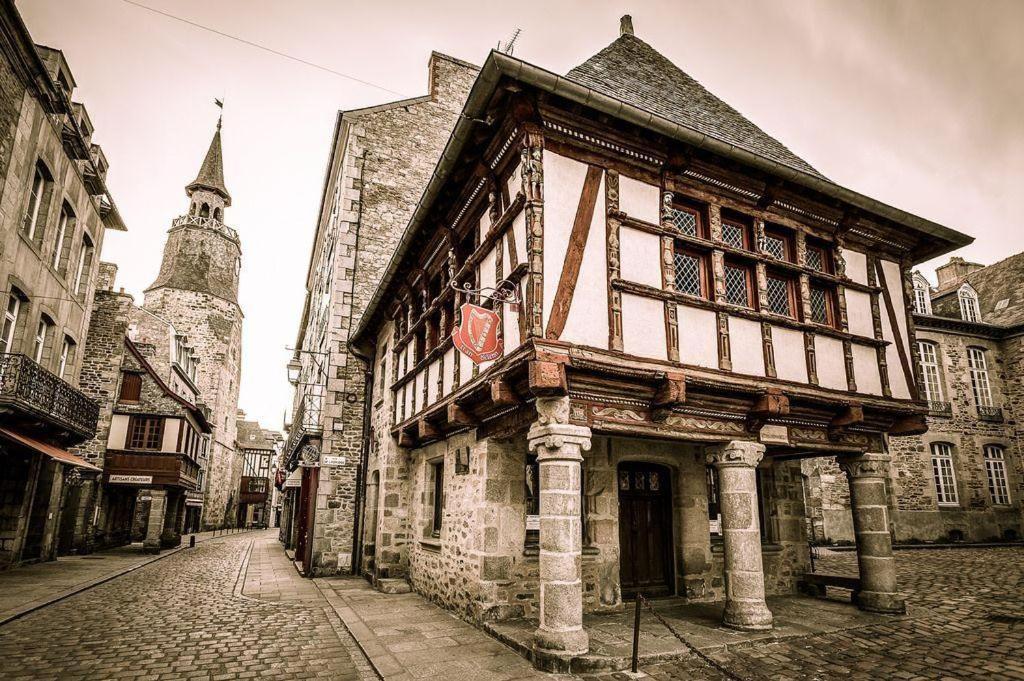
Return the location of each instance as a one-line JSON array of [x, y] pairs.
[[980, 385], [995, 467], [774, 246], [929, 356], [815, 260], [688, 277], [737, 286], [945, 476], [819, 305], [686, 221], [732, 234], [778, 297], [969, 310]]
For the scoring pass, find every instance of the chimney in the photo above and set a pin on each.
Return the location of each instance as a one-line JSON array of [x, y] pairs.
[[107, 275], [956, 269], [626, 25]]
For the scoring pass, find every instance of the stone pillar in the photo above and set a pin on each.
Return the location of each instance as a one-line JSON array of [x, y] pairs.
[[693, 531], [155, 524], [736, 463], [559, 447], [171, 535], [867, 473]]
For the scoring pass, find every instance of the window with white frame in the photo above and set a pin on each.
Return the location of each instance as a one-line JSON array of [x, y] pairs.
[[928, 354], [67, 357], [84, 263], [35, 211], [969, 310], [42, 335], [65, 232], [10, 322], [922, 295], [995, 467], [945, 477], [980, 385]]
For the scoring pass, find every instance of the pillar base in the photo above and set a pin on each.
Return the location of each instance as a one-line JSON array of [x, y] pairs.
[[151, 546], [561, 643], [747, 616], [881, 602], [169, 539]]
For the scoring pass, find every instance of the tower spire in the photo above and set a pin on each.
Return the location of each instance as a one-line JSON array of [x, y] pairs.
[[211, 173]]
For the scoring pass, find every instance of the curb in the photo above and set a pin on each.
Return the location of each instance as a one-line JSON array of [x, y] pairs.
[[933, 547], [32, 606]]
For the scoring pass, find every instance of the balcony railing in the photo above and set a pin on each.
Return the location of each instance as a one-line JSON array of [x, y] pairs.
[[210, 223], [28, 387], [944, 409], [993, 414], [306, 423]]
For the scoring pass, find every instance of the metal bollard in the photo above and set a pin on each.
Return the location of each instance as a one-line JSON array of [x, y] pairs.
[[192, 541], [636, 634]]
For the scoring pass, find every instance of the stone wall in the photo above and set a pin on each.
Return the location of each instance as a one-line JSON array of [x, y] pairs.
[[379, 170], [12, 95]]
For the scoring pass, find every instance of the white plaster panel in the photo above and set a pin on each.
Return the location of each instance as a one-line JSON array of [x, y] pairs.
[[865, 369], [894, 283], [485, 224], [587, 323], [118, 431], [640, 256], [790, 357], [432, 373], [831, 363], [897, 377], [746, 345], [639, 199], [487, 274], [856, 266], [465, 369], [643, 327], [510, 330], [858, 313], [563, 184], [409, 407], [449, 372], [170, 442], [698, 336], [417, 392], [519, 234], [515, 180]]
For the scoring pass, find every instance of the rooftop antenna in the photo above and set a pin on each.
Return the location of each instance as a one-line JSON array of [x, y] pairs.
[[510, 44]]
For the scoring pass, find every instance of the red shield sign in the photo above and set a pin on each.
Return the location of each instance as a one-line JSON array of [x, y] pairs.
[[477, 335]]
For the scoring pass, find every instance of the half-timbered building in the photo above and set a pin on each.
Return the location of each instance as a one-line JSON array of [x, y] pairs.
[[694, 310]]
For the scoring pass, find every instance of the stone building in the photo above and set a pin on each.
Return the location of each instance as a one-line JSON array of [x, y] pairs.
[[688, 310], [55, 210], [963, 480], [197, 291], [380, 160], [153, 434], [257, 447]]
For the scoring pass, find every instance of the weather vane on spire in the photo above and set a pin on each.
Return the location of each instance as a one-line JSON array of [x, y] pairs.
[[220, 105]]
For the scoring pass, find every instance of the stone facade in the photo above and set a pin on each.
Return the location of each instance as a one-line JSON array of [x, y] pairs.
[[380, 162], [955, 420]]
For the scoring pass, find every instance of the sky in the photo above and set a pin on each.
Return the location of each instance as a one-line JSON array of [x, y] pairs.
[[916, 103]]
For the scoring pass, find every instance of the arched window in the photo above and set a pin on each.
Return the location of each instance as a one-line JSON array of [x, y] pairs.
[[922, 295], [977, 363], [34, 222], [995, 467], [218, 214], [931, 376], [204, 212], [193, 209], [969, 310], [12, 314], [43, 339], [67, 357], [85, 255], [945, 476], [65, 233]]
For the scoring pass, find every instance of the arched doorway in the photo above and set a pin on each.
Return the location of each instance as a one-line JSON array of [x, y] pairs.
[[645, 529]]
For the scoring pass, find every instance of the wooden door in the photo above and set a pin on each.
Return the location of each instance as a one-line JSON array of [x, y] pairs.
[[645, 529], [307, 515]]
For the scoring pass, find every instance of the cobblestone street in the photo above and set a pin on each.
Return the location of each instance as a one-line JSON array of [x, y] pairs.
[[234, 608]]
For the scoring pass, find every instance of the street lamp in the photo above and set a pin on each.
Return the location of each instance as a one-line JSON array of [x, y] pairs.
[[294, 370]]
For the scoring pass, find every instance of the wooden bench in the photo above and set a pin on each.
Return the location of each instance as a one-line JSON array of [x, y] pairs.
[[816, 583]]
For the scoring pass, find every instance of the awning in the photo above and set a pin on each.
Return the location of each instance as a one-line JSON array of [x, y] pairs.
[[56, 453]]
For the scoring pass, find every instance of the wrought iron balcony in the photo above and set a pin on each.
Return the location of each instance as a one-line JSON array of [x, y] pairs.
[[37, 393], [944, 409], [208, 222], [306, 423], [992, 414]]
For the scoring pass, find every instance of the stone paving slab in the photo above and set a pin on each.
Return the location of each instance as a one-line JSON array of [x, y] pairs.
[[406, 637], [30, 587]]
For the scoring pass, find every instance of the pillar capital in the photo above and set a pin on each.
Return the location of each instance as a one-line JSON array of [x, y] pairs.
[[552, 437], [870, 465], [737, 453]]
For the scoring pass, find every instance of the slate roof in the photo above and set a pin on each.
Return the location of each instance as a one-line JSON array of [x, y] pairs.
[[211, 174], [995, 283], [632, 71]]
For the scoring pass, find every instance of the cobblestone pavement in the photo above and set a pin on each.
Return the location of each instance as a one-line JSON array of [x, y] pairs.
[[966, 621], [188, 617]]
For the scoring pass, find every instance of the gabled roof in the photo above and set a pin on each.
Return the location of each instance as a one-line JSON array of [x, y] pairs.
[[195, 410], [211, 174], [634, 72], [994, 284]]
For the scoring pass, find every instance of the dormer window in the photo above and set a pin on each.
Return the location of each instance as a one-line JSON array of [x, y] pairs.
[[922, 295], [969, 310]]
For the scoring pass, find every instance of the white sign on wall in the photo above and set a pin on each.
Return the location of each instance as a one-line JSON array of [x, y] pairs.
[[131, 479], [332, 460], [533, 523]]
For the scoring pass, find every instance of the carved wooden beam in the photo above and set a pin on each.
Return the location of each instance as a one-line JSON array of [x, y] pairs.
[[406, 439], [772, 403], [548, 379], [909, 425], [851, 415], [502, 394], [671, 391], [460, 417], [425, 430]]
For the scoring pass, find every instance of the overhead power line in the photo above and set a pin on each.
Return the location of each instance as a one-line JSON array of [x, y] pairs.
[[258, 46]]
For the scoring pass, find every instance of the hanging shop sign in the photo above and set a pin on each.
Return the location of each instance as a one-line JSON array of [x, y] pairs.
[[477, 335], [279, 477], [130, 479]]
